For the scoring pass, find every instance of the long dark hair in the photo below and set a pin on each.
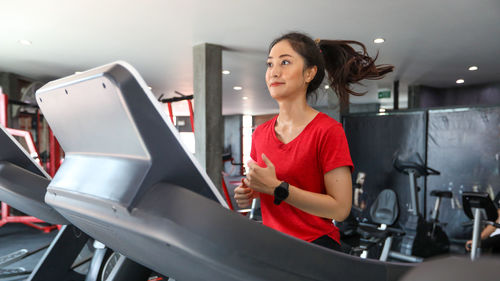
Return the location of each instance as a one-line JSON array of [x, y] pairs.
[[344, 65]]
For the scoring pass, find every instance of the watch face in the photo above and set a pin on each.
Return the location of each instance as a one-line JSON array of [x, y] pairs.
[[281, 192]]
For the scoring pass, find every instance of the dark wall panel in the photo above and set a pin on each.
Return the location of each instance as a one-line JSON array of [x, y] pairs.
[[374, 139], [464, 144], [487, 94]]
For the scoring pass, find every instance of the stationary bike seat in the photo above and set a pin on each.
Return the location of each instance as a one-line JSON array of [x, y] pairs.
[[442, 193]]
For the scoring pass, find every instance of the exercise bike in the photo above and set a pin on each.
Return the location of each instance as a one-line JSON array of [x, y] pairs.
[[479, 207], [423, 238]]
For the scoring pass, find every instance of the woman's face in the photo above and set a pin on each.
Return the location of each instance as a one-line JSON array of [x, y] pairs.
[[285, 75]]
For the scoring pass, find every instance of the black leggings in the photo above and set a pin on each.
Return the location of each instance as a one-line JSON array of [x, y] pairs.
[[328, 242], [492, 243]]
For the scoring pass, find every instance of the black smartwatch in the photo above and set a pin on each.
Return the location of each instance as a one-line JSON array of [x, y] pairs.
[[281, 193]]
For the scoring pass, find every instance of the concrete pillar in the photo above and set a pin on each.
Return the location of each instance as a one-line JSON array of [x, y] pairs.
[[208, 122]]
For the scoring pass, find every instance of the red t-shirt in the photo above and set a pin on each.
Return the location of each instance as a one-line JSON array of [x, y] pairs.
[[318, 149]]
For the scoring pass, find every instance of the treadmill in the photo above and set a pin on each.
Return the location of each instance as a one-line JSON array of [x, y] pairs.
[[128, 182]]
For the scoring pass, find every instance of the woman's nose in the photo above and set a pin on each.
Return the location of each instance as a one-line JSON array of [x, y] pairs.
[[275, 72]]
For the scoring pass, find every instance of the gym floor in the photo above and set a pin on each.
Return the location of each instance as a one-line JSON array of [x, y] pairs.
[[16, 236]]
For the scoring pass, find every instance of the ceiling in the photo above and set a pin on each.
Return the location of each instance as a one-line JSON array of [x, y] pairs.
[[429, 42]]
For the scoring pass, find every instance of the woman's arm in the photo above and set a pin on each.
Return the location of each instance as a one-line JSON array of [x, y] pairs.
[[489, 229], [335, 204]]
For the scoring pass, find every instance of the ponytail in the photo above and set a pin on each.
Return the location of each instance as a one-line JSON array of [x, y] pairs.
[[346, 66], [343, 64]]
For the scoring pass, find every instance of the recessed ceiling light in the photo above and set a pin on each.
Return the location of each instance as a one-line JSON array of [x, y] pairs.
[[379, 40], [245, 98], [25, 42], [473, 68], [238, 88], [327, 87], [226, 72], [460, 81]]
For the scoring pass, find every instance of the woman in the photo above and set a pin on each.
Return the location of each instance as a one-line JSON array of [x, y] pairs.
[[301, 167]]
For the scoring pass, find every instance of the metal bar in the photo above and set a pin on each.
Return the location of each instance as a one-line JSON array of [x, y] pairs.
[[3, 109], [435, 213], [5, 214], [23, 219], [96, 263], [476, 235], [169, 104], [413, 193], [38, 130], [252, 210], [28, 138], [226, 194], [28, 220], [402, 257], [191, 114], [386, 249], [174, 99]]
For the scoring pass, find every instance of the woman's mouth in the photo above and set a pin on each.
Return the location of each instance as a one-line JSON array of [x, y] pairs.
[[275, 84]]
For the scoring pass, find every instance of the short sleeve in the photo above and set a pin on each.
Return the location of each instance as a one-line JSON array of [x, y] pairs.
[[253, 152], [334, 150]]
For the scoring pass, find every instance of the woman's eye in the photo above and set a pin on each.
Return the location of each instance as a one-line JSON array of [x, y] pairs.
[[269, 64], [285, 62]]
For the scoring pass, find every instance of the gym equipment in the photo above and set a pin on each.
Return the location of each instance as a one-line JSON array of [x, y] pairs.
[[128, 182], [23, 185], [182, 97], [439, 194], [423, 239], [479, 207], [384, 213], [28, 138], [23, 182]]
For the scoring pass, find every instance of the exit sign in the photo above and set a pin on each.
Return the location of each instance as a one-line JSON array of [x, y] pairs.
[[384, 94]]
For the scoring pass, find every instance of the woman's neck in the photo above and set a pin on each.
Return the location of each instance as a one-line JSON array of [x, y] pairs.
[[295, 112]]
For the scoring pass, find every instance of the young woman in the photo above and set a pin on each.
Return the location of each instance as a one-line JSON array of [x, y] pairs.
[[301, 167]]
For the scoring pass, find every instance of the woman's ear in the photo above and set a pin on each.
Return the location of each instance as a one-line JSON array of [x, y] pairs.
[[310, 73]]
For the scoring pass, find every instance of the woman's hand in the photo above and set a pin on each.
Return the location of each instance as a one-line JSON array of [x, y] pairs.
[[468, 245], [262, 179], [244, 195]]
